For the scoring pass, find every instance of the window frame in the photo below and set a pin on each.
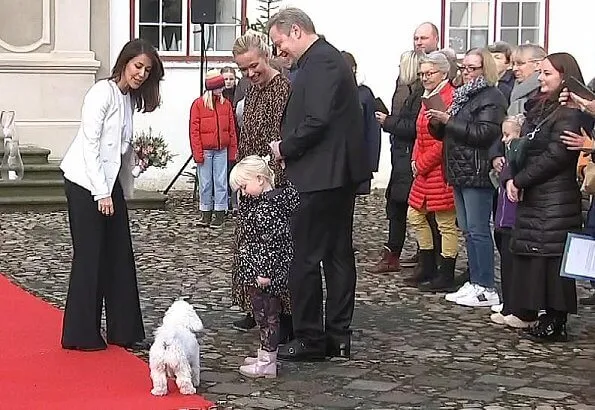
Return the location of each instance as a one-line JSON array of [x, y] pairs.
[[541, 23], [495, 19], [468, 28], [187, 53]]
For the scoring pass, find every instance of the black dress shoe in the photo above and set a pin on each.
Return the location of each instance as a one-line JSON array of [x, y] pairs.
[[300, 351], [548, 330], [245, 324], [138, 345], [85, 348]]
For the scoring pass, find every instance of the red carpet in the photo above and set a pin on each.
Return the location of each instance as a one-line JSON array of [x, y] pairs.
[[36, 373]]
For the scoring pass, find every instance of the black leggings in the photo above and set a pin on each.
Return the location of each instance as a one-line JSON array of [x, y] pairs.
[[266, 309], [396, 213]]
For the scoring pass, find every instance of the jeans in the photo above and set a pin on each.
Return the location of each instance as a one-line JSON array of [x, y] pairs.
[[212, 177], [474, 211]]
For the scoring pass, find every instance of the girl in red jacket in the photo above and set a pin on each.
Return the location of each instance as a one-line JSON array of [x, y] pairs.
[[213, 141]]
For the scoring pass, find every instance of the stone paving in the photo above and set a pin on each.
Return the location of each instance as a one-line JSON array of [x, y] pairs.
[[410, 350]]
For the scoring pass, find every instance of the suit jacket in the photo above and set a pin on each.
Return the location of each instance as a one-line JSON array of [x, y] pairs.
[[94, 159], [322, 132]]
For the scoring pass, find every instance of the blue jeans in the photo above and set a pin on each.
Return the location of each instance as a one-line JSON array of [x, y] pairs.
[[474, 211], [212, 177]]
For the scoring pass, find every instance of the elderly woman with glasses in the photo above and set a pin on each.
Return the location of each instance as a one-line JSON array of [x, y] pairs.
[[468, 128], [430, 192]]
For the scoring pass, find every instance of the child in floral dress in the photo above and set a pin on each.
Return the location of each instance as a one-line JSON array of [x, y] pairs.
[[265, 251]]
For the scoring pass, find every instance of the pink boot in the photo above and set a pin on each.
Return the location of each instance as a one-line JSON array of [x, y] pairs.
[[264, 366], [252, 359]]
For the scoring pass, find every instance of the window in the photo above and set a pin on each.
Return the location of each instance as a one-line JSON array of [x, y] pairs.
[[477, 23], [166, 24]]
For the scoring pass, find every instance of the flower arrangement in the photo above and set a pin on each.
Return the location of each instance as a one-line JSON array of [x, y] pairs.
[[151, 151]]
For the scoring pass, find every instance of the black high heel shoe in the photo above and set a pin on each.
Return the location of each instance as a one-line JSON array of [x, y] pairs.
[[548, 329]]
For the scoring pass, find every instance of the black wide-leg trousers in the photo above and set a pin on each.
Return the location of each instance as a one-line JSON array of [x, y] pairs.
[[322, 229], [103, 270]]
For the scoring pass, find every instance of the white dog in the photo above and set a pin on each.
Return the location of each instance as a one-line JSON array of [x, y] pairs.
[[175, 351]]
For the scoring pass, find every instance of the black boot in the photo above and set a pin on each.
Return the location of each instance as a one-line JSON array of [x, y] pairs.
[[205, 218], [245, 324], [426, 269], [444, 280], [338, 346], [218, 220], [551, 327]]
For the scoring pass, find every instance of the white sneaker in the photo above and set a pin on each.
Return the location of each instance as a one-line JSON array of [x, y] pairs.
[[498, 308], [481, 297], [498, 318], [462, 291], [515, 322]]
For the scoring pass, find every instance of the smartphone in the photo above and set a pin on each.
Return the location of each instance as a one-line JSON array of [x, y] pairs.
[[579, 88], [434, 103], [380, 107]]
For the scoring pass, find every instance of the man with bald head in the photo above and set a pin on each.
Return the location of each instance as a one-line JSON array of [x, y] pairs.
[[426, 38]]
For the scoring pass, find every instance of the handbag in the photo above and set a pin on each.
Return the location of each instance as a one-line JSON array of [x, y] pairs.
[[516, 153]]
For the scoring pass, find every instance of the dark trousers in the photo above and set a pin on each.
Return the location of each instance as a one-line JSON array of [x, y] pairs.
[[397, 227], [504, 236], [103, 269], [266, 309], [322, 229]]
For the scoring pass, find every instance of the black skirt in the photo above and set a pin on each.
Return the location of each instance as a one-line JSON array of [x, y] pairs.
[[536, 284]]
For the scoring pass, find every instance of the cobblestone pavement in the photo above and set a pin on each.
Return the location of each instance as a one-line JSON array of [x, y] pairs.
[[410, 350]]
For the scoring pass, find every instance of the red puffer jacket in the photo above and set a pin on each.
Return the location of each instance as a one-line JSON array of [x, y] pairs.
[[429, 190], [212, 129]]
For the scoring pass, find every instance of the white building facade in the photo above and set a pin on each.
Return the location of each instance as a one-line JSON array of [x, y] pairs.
[[79, 40]]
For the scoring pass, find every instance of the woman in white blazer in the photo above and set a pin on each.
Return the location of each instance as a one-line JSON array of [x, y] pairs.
[[98, 177]]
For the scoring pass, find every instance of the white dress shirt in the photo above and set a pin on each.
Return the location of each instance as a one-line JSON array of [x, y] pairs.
[[101, 150]]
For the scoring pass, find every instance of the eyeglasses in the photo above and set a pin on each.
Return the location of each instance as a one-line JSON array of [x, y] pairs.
[[522, 63], [427, 74], [469, 69]]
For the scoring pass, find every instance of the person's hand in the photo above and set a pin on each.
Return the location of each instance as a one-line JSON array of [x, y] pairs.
[[575, 142], [381, 117], [439, 116], [274, 145], [498, 163], [263, 282], [564, 97], [583, 104], [512, 192], [413, 169], [106, 206]]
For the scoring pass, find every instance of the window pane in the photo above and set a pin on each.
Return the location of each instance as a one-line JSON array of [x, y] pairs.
[[480, 14], [510, 14], [151, 34], [225, 37], [458, 14], [457, 40], [209, 37], [479, 38], [172, 38], [172, 11], [510, 35], [227, 12], [530, 14], [530, 36], [148, 11]]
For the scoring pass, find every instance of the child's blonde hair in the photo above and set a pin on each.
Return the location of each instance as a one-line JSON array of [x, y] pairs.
[[517, 120], [249, 168]]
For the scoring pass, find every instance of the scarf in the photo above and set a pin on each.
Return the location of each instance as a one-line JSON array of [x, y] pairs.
[[521, 92], [465, 92], [436, 90]]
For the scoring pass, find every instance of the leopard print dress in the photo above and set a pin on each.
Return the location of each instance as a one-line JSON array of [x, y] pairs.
[[263, 112]]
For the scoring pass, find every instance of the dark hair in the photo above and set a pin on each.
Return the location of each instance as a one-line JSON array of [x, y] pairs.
[[229, 69], [146, 97], [350, 60], [567, 66], [501, 47]]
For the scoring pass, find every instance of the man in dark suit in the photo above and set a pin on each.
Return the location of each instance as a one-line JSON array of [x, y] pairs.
[[323, 148]]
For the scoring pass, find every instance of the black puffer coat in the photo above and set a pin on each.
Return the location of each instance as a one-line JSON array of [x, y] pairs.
[[403, 132], [550, 206], [468, 136]]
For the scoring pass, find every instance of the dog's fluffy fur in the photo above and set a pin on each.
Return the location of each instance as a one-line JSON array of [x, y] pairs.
[[175, 351]]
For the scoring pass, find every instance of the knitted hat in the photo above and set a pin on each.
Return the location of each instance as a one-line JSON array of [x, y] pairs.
[[214, 80]]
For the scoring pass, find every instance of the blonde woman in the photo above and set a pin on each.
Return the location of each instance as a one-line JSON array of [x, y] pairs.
[[213, 141], [468, 129], [401, 126], [263, 109]]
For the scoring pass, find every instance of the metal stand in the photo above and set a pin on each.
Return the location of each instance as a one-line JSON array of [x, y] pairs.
[[202, 85]]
